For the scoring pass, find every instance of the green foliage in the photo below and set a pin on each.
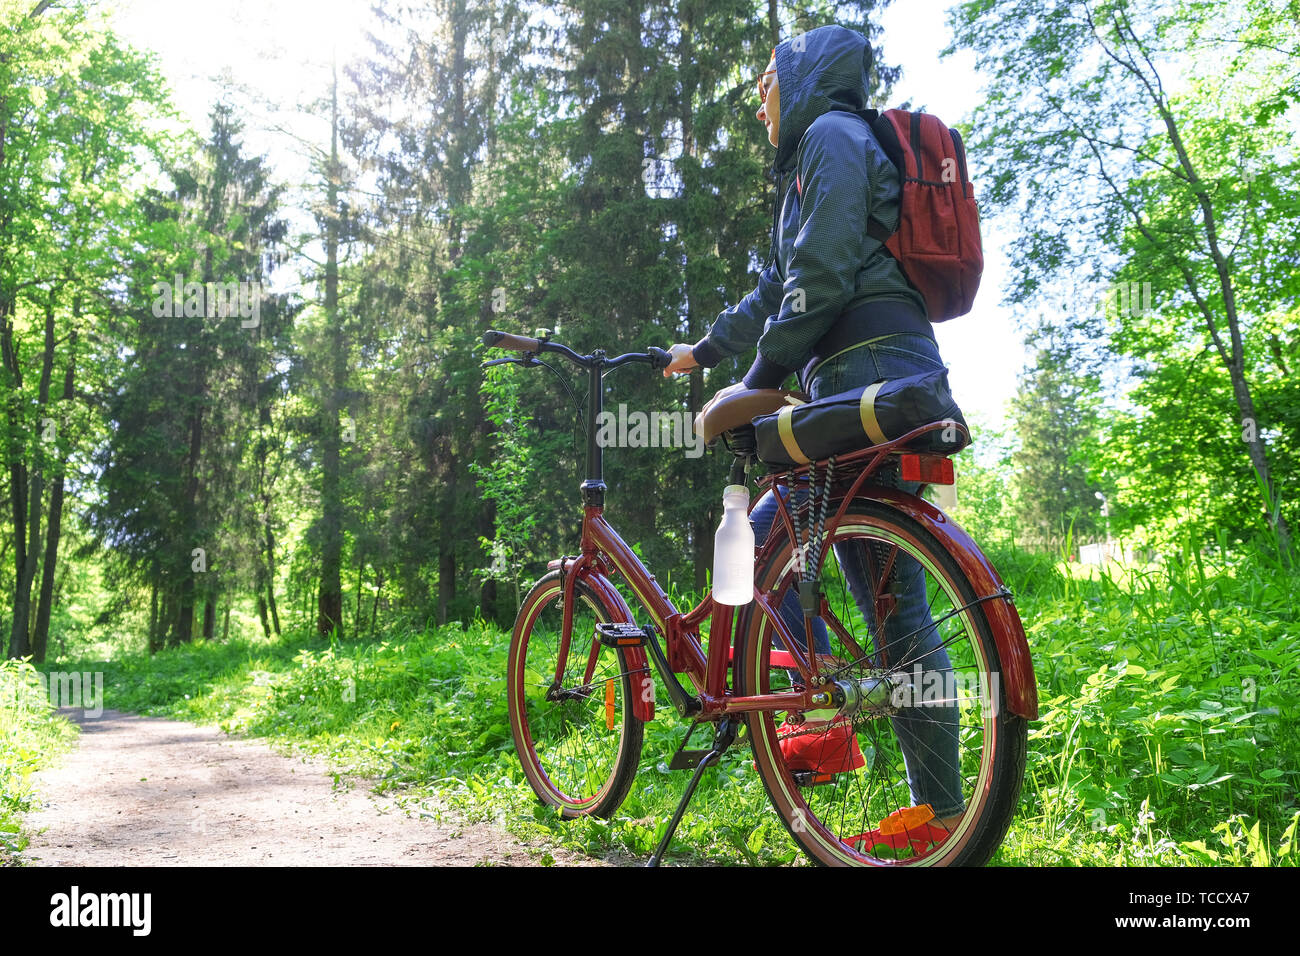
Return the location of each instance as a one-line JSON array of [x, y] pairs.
[[79, 112], [1151, 145], [1056, 416], [201, 380], [1167, 698], [508, 479], [986, 507], [31, 737]]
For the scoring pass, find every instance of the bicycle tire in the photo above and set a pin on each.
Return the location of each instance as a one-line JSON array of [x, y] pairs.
[[571, 756], [808, 812]]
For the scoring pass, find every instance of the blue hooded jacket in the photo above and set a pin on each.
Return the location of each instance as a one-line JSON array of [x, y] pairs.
[[824, 262]]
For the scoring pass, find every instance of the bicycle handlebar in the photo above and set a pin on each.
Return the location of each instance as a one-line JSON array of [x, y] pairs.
[[504, 340], [655, 357]]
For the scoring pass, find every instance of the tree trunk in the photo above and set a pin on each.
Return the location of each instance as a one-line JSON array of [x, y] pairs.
[[184, 632], [270, 569], [356, 610], [487, 521], [20, 635], [330, 600], [374, 608], [13, 375], [259, 586], [169, 628], [209, 617], [446, 579], [185, 621], [700, 525], [41, 632], [155, 645], [44, 601]]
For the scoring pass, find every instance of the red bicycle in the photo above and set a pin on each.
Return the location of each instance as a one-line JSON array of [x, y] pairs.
[[848, 683]]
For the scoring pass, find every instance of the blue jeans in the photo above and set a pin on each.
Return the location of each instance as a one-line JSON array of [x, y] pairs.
[[926, 734]]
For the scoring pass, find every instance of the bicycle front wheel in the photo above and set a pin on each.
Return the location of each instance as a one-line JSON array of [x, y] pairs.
[[925, 735], [576, 736]]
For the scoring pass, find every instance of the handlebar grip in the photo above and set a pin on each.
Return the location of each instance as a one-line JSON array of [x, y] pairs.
[[504, 340], [659, 358]]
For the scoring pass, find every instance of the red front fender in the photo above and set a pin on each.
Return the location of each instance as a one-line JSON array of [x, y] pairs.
[[617, 610], [1008, 632]]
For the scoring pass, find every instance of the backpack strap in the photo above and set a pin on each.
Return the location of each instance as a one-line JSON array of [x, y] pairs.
[[888, 140]]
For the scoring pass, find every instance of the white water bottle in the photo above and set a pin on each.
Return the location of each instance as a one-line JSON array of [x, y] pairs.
[[733, 550]]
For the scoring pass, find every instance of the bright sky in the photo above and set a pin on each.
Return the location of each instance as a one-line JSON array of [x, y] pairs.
[[983, 349], [278, 52]]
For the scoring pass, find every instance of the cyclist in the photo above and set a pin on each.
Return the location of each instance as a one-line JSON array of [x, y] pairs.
[[833, 305]]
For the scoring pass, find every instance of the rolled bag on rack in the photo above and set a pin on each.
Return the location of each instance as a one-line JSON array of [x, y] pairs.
[[861, 417]]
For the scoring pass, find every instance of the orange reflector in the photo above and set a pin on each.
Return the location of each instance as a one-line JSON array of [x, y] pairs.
[[609, 705], [931, 469], [908, 818]]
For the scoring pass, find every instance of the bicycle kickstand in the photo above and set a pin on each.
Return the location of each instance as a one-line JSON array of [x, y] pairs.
[[726, 736]]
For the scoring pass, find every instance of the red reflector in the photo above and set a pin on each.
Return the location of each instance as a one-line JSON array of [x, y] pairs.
[[930, 469]]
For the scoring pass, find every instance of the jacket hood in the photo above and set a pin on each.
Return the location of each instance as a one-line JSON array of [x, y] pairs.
[[818, 71]]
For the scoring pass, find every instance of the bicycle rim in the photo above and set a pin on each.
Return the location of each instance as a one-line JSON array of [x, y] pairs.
[[578, 741], [866, 815]]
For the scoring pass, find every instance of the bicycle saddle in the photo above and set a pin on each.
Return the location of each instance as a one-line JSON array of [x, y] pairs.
[[740, 408]]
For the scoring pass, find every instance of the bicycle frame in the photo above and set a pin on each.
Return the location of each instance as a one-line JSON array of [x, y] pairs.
[[604, 552], [896, 522]]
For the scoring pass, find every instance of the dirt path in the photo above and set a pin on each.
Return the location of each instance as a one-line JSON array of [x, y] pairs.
[[143, 791]]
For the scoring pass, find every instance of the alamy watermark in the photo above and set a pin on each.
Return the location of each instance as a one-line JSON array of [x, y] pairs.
[[1125, 298], [127, 910], [69, 689], [648, 430], [945, 688], [213, 300]]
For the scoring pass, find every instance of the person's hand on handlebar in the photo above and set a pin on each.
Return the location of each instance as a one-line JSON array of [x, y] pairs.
[[683, 360]]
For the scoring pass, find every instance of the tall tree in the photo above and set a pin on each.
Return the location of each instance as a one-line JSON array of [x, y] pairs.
[[1115, 173], [329, 604], [1055, 414], [74, 105], [429, 106], [176, 471]]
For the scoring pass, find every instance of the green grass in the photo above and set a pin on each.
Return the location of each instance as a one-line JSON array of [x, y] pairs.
[[1166, 734], [31, 736]]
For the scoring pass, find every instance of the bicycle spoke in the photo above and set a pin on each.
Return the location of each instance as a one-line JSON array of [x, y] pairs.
[[926, 624], [574, 755]]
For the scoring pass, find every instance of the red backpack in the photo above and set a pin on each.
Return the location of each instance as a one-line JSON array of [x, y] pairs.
[[937, 242]]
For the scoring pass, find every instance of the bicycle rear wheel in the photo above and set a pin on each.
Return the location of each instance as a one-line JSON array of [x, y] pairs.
[[577, 739], [934, 735]]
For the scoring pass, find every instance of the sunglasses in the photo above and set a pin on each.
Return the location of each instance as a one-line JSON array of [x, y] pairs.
[[762, 89]]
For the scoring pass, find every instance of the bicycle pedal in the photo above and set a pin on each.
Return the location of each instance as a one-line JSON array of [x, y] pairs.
[[621, 634], [807, 778]]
